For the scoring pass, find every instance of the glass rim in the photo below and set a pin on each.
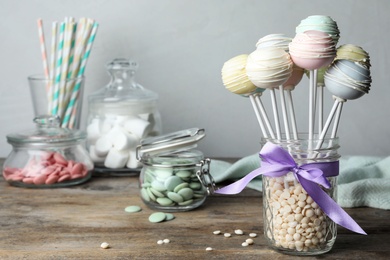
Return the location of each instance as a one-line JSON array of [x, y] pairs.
[[42, 77]]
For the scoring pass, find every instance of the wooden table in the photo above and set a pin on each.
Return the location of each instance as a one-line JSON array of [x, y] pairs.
[[71, 223]]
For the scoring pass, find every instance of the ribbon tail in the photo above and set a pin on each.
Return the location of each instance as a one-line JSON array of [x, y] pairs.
[[330, 207], [238, 186]]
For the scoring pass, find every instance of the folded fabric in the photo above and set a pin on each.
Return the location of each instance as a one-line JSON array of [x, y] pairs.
[[362, 181]]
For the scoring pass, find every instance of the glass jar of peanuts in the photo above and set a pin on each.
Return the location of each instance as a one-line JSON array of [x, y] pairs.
[[293, 222], [119, 116], [174, 176], [47, 157]]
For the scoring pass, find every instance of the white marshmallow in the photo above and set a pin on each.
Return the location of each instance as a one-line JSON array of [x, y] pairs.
[[106, 125], [93, 155], [116, 159], [93, 131], [138, 126], [103, 146], [125, 141], [121, 120], [133, 163]]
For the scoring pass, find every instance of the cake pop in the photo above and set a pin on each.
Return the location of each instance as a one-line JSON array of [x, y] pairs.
[[280, 41], [320, 23], [312, 50], [346, 80], [235, 79], [269, 68]]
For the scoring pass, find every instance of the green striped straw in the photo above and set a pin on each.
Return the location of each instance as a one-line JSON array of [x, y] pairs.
[[65, 64], [71, 111], [54, 29], [58, 71]]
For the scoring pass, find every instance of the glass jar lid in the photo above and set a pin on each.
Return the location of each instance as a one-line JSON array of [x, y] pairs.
[[47, 132], [175, 142]]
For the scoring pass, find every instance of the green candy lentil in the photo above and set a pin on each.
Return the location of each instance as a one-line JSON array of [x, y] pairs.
[[186, 193], [133, 209], [169, 216], [150, 194], [183, 174], [195, 185], [156, 192], [144, 194], [180, 186], [163, 173], [157, 217], [186, 203], [171, 182], [145, 185], [175, 197], [159, 186], [164, 201]]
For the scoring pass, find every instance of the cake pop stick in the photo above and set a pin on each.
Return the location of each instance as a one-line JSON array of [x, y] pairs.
[[289, 86], [312, 101], [320, 93], [337, 120], [284, 112], [338, 101], [276, 114], [258, 116], [264, 114], [292, 114]]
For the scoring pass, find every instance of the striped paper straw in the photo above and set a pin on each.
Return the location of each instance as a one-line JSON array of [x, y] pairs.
[[58, 71], [78, 48], [81, 39], [54, 29], [65, 63], [72, 47], [43, 47], [71, 111]]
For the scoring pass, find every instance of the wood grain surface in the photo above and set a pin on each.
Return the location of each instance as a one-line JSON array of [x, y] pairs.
[[71, 223]]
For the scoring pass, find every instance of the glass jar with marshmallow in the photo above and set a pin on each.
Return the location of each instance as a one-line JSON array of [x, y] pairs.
[[119, 116]]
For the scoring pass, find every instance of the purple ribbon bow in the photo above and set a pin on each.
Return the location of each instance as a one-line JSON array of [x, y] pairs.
[[277, 162]]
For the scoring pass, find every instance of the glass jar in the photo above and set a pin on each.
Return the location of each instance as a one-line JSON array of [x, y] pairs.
[[47, 157], [174, 177], [119, 116], [293, 222]]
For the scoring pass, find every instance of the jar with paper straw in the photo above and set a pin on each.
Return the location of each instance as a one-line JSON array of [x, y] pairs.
[[59, 91]]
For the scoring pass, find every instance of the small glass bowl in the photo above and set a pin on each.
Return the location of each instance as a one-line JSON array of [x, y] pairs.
[[48, 156]]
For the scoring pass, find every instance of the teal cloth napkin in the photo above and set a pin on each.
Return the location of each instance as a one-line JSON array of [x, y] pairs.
[[362, 181]]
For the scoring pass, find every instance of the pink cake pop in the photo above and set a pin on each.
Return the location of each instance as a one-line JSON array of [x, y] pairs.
[[312, 50]]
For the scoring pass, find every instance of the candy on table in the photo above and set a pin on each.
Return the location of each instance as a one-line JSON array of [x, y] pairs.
[[113, 141], [46, 168]]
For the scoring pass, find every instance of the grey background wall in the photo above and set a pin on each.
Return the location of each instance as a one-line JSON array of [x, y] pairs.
[[181, 46]]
